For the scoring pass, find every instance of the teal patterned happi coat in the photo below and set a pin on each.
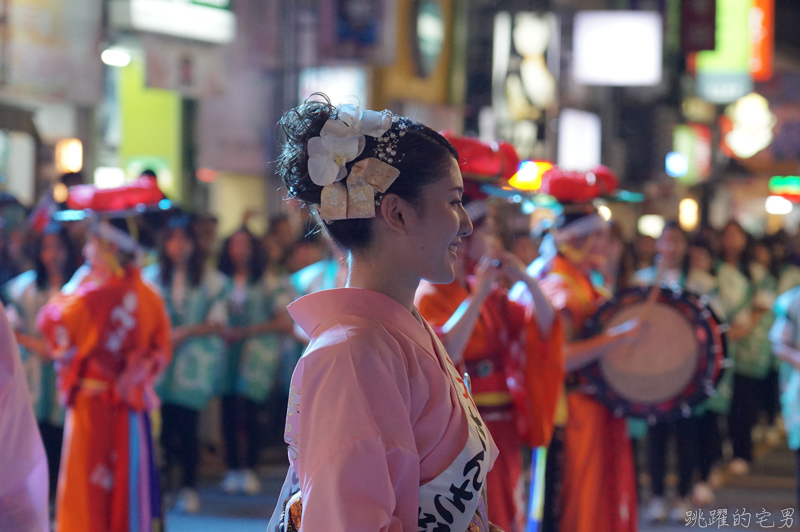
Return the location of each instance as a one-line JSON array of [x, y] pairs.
[[254, 364], [193, 376]]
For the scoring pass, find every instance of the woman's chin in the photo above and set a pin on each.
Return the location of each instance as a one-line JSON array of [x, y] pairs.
[[444, 276]]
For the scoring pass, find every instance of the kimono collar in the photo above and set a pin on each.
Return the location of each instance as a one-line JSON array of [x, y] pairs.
[[312, 310]]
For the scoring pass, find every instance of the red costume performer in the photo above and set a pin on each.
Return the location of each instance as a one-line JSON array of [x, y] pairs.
[[110, 338], [594, 458], [497, 340]]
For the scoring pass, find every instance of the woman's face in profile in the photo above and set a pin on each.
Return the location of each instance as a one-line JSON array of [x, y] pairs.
[[441, 227]]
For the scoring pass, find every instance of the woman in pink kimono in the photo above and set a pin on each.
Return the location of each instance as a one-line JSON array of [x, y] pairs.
[[382, 431]]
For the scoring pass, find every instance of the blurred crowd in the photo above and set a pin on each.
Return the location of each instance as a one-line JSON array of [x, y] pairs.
[[226, 296]]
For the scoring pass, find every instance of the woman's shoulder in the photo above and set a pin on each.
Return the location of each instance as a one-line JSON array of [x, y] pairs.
[[364, 344]]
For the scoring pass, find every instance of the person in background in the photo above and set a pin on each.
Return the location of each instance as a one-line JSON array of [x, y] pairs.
[[645, 249], [746, 293], [789, 267], [524, 247], [23, 468], [205, 227], [592, 484], [305, 252], [673, 260], [10, 263], [280, 238], [785, 338], [195, 298], [257, 321], [55, 262], [487, 333], [111, 339]]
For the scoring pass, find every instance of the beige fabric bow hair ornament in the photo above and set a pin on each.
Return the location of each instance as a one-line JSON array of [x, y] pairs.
[[341, 141]]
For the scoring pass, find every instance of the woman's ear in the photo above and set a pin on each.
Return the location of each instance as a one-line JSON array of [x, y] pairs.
[[397, 213]]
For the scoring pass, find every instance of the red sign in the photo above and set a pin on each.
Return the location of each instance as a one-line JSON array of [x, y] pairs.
[[762, 39], [698, 25]]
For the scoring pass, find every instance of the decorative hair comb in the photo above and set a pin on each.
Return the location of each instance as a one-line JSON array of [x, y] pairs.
[[342, 139]]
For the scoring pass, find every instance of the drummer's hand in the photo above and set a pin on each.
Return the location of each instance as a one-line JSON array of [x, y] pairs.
[[486, 274], [513, 267], [626, 332]]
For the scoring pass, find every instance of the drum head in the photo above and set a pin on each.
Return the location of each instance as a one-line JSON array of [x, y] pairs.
[[660, 364], [673, 366]]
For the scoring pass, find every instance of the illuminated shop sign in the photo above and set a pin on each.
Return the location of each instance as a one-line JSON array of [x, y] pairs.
[[786, 187], [622, 48], [200, 20], [744, 50]]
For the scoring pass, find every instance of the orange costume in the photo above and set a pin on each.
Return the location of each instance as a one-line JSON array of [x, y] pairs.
[[598, 479], [110, 341], [506, 348]]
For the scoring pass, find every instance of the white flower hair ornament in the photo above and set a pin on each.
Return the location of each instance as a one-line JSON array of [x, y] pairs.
[[341, 141]]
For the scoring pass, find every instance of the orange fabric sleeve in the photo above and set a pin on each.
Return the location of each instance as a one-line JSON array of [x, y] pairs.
[[434, 307], [543, 376], [66, 327]]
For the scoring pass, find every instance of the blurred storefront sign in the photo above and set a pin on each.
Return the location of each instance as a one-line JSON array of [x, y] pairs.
[[786, 187], [723, 75], [523, 87], [579, 140], [747, 126], [363, 30], [342, 84], [234, 128], [762, 39], [401, 80], [48, 50], [692, 146], [698, 25], [193, 70], [200, 20], [620, 48], [744, 51]]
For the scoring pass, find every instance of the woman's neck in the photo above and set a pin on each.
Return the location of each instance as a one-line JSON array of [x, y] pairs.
[[460, 269], [383, 276], [732, 259]]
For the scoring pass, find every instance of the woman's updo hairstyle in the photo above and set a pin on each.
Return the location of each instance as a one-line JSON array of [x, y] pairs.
[[422, 156]]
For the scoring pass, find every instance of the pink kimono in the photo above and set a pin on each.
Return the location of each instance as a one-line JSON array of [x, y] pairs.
[[387, 437], [23, 463]]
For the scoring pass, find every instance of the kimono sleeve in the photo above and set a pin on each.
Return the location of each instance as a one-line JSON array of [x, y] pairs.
[[358, 464], [543, 375], [66, 327]]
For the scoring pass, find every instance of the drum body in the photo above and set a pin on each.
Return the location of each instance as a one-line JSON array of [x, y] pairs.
[[674, 364]]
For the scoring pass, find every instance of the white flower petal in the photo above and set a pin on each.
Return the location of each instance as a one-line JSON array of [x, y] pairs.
[[349, 113], [342, 173], [322, 170], [336, 128], [317, 147], [344, 146], [375, 124]]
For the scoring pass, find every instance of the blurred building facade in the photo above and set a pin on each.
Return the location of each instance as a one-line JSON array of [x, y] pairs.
[[193, 90]]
